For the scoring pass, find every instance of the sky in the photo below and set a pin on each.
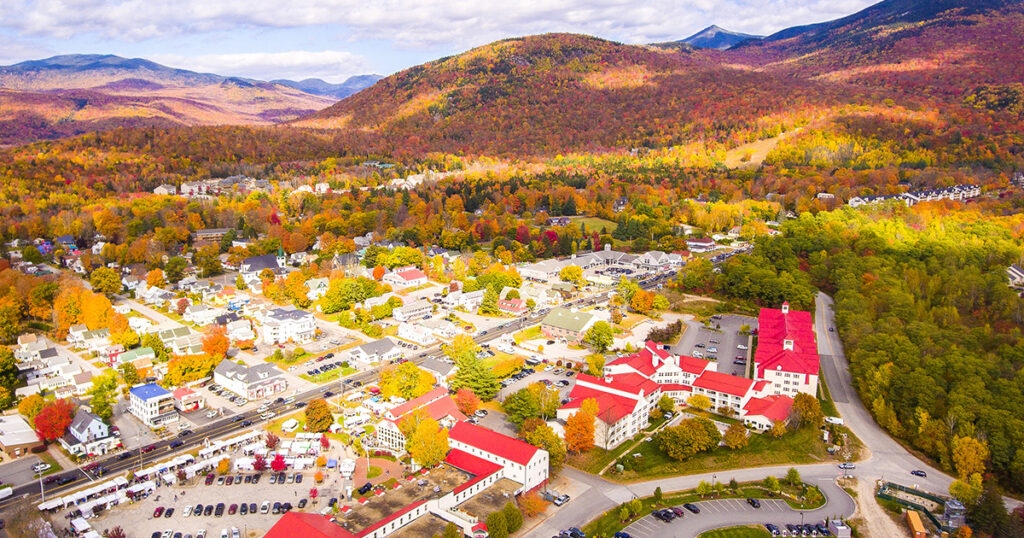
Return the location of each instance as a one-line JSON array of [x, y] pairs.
[[335, 39]]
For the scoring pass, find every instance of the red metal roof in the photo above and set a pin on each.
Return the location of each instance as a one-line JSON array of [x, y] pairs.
[[693, 365], [478, 467], [774, 328], [728, 384], [411, 274], [399, 410], [306, 525], [774, 408], [500, 445], [610, 407]]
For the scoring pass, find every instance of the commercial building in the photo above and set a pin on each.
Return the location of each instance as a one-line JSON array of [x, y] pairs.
[[383, 350], [250, 382], [407, 277], [417, 309], [88, 435], [436, 404], [16, 436], [186, 399], [566, 324], [282, 325], [787, 351], [152, 404]]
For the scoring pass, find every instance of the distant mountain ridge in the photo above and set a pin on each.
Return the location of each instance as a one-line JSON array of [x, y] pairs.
[[342, 90], [716, 37], [76, 93]]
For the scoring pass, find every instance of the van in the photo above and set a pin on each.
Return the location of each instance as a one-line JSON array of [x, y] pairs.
[[289, 400], [834, 420]]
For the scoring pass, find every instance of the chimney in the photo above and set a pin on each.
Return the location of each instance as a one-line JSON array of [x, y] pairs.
[[785, 307], [787, 344]]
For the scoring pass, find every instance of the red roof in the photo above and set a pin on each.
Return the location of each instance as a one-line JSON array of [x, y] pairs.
[[728, 384], [774, 328], [611, 407], [500, 445], [675, 387], [693, 365], [306, 525], [478, 467], [638, 381], [411, 274], [511, 305], [399, 410], [183, 392], [774, 408]]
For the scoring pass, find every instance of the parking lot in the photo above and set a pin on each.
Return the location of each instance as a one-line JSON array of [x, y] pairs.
[[697, 340], [713, 515], [540, 374], [139, 521]]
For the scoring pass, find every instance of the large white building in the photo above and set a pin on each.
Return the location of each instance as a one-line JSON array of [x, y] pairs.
[[417, 309], [88, 435], [787, 351], [152, 404], [383, 350], [623, 408], [436, 404], [520, 461], [406, 277], [281, 325]]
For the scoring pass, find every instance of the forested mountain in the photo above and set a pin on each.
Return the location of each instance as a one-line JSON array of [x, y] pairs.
[[943, 48], [73, 94], [714, 37]]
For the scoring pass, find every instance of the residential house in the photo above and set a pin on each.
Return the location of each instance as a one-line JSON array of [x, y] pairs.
[[201, 314], [440, 328], [620, 204], [251, 267], [251, 382], [138, 356], [152, 404], [95, 341], [88, 435], [407, 277], [701, 244], [464, 300], [317, 288], [283, 325], [516, 307], [436, 404], [417, 309], [1016, 276], [416, 333], [240, 330], [166, 190], [383, 350], [566, 324], [657, 260], [344, 262]]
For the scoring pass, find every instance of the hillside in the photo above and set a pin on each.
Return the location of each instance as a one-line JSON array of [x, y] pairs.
[[552, 93], [942, 49], [67, 95]]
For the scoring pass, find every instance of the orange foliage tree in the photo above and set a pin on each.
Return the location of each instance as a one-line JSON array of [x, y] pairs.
[[466, 401], [216, 343]]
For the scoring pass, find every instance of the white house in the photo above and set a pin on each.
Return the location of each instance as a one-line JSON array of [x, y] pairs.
[[201, 314], [88, 435], [1016, 275], [317, 288], [240, 329], [281, 325], [623, 408], [383, 350], [250, 382], [415, 332], [465, 300], [436, 404], [407, 277], [417, 309], [701, 244]]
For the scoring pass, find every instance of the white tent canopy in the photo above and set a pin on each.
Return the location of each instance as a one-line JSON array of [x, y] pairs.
[[80, 525]]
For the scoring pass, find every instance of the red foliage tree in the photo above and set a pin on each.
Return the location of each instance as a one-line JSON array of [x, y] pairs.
[[325, 443], [466, 401], [260, 464], [272, 441], [53, 421], [278, 464]]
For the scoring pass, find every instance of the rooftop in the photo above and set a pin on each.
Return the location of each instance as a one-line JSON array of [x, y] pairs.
[[149, 391], [493, 442]]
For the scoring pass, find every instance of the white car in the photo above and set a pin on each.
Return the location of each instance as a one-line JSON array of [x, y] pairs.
[[741, 346], [41, 467], [201, 533], [211, 413], [265, 507], [188, 511], [549, 367], [712, 350], [263, 408], [224, 533], [234, 532]]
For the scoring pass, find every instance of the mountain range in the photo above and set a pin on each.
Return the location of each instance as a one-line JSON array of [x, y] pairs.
[[552, 93], [72, 94]]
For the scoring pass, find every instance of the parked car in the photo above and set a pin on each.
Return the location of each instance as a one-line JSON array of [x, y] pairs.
[[40, 467], [198, 511], [847, 465], [169, 512], [265, 507], [219, 511], [209, 479], [692, 507], [754, 502], [232, 509], [677, 511], [365, 488], [159, 511], [229, 480], [208, 510], [918, 472]]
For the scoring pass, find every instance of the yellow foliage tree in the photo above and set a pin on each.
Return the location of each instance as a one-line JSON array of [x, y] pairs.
[[429, 443]]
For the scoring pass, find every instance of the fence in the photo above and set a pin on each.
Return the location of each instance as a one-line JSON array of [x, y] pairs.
[[881, 494]]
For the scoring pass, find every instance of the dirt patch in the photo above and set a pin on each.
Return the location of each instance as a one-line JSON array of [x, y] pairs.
[[753, 154], [427, 525], [879, 522]]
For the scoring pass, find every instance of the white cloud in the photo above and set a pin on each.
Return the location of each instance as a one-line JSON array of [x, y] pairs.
[[417, 23], [330, 65]]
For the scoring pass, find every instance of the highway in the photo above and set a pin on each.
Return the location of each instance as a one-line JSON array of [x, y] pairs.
[[113, 465]]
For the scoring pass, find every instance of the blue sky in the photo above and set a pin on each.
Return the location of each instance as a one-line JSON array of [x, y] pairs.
[[334, 39]]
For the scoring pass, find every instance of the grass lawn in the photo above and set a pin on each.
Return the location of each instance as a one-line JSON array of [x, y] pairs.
[[737, 532], [594, 224], [825, 397], [596, 459], [54, 466], [630, 320], [800, 446], [373, 472], [609, 522], [527, 334]]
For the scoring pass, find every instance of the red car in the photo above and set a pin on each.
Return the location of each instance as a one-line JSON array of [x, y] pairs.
[[209, 479], [232, 509], [149, 448], [158, 512]]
